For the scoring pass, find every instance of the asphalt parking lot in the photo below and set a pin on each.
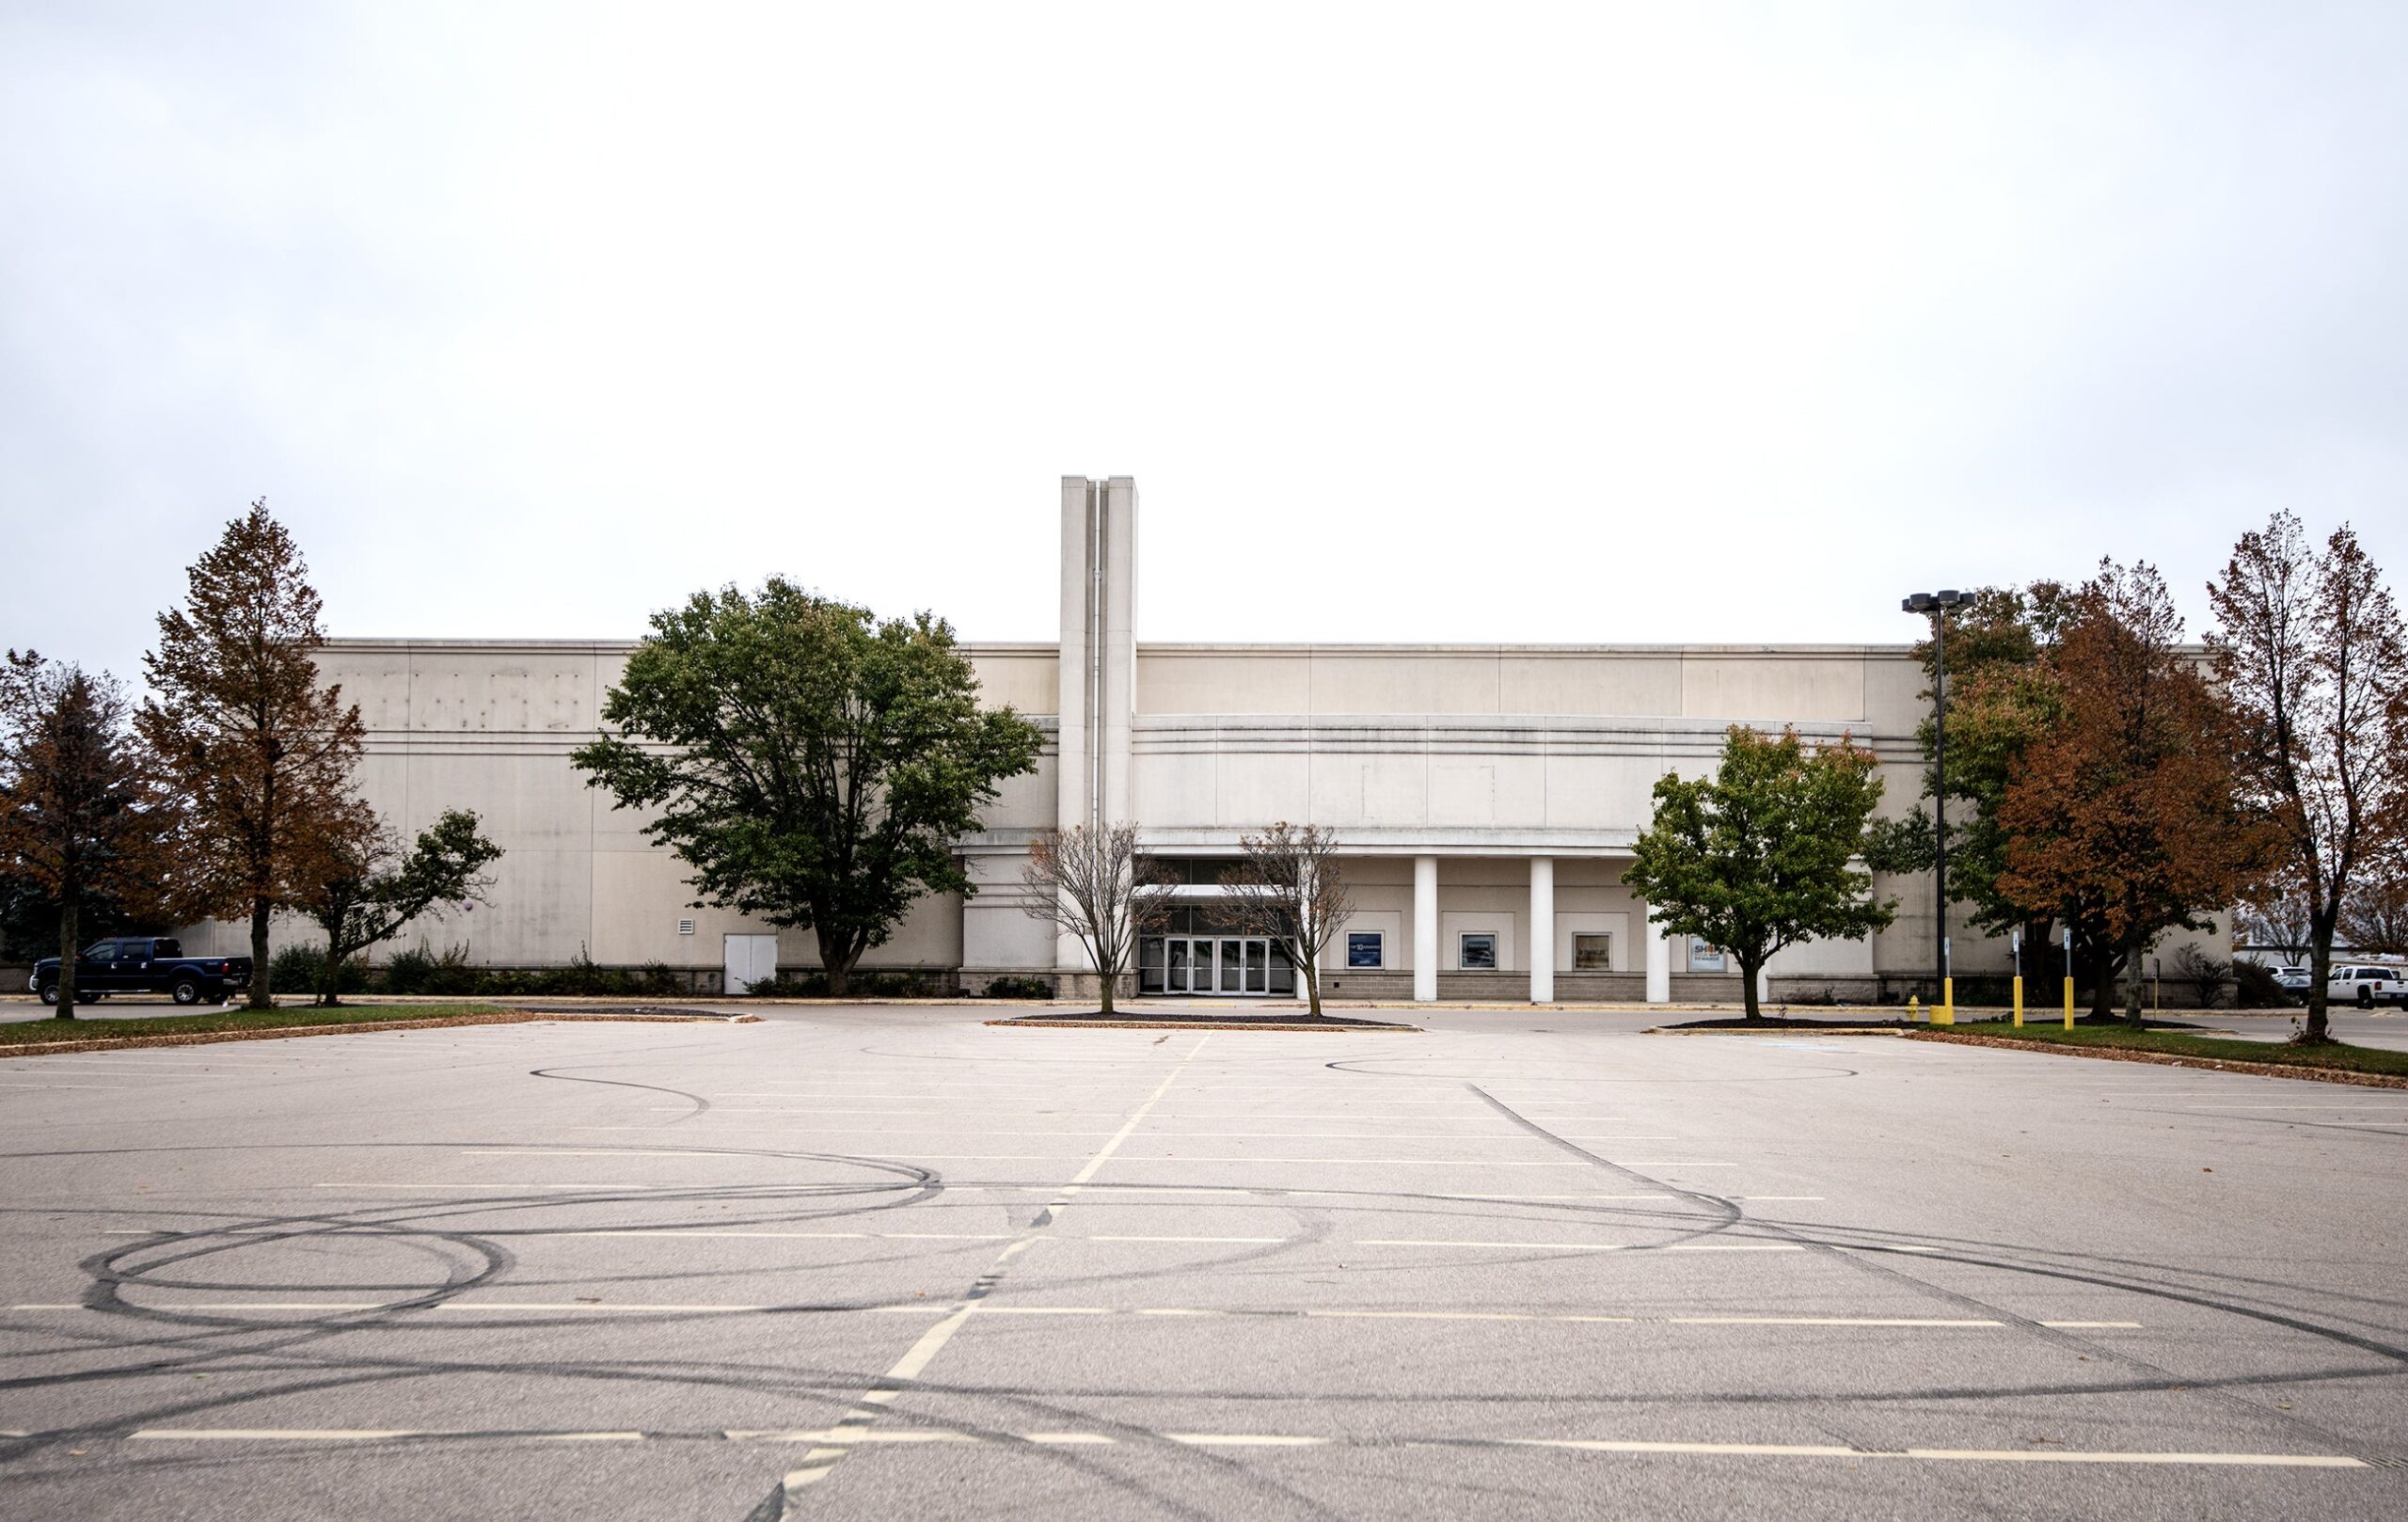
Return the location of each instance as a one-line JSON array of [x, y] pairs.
[[898, 1264]]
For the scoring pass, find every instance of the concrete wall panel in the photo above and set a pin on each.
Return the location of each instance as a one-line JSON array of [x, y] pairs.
[[1600, 685], [1769, 689]]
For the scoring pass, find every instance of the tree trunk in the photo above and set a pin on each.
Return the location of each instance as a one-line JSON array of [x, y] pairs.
[[2136, 964], [1311, 974], [2320, 967], [262, 996], [330, 979], [836, 964], [68, 922], [1748, 970], [2103, 983], [1107, 977]]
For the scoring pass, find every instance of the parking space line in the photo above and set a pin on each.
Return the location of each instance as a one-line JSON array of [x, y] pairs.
[[991, 1307], [1581, 1246], [820, 1462], [1601, 1446]]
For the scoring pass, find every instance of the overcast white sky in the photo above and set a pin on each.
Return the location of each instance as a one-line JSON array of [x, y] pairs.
[[1667, 322]]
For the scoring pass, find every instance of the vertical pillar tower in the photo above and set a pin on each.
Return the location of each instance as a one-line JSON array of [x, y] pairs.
[[1099, 659]]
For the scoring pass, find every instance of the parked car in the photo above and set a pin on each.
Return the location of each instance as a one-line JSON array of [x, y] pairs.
[[146, 964], [2294, 979], [2367, 986]]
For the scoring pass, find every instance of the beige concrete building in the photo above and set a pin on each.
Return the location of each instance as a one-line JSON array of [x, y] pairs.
[[1487, 797]]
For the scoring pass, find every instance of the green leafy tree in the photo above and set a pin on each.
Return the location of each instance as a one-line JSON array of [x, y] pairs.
[[2001, 698], [1762, 854], [373, 888], [815, 766], [238, 722]]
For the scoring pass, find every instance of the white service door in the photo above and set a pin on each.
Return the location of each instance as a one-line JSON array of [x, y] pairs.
[[751, 959]]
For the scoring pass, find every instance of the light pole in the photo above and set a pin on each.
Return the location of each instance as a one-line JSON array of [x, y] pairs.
[[1937, 604]]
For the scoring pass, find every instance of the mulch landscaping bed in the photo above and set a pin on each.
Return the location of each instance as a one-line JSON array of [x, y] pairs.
[[2166, 1059], [1153, 1021]]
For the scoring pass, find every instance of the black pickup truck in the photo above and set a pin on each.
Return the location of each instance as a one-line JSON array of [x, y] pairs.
[[145, 964]]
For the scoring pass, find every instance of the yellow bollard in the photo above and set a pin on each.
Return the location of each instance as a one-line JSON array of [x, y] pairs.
[[2018, 1001], [2068, 1003], [1944, 1013]]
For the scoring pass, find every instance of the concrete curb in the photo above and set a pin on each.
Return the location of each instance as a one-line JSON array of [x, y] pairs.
[[1776, 1030], [2168, 1059]]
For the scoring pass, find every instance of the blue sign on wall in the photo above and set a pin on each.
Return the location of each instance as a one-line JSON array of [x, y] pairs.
[[1363, 949]]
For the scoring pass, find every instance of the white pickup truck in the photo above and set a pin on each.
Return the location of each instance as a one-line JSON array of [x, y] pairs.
[[2367, 986]]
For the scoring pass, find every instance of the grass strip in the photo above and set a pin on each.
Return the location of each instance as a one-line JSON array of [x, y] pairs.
[[2333, 1062], [44, 1038], [42, 1032]]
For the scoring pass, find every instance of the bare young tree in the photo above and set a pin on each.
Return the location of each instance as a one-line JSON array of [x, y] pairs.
[[2312, 659], [2277, 916], [2374, 920], [1095, 885], [1287, 886]]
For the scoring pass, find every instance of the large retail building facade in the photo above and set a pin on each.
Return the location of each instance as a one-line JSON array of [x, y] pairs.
[[1486, 798]]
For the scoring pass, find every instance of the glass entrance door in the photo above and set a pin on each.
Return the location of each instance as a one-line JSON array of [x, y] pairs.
[[1222, 964]]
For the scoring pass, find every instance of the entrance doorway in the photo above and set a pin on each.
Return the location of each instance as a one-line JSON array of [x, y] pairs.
[[1245, 965]]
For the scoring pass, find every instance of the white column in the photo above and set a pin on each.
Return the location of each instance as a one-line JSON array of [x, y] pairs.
[[1541, 937], [1660, 962], [1117, 627], [1425, 929]]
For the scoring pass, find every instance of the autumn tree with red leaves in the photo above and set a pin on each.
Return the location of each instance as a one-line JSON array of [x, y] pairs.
[[80, 820], [2124, 811], [236, 716]]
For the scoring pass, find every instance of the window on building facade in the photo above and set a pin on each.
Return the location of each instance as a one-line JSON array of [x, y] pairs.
[[1592, 952], [1364, 949], [1478, 953], [1704, 957]]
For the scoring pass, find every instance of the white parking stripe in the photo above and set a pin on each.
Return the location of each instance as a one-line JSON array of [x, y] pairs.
[[820, 1462], [1581, 1246], [1291, 1440]]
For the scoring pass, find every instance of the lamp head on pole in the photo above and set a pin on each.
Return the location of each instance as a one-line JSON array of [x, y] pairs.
[[1933, 602]]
